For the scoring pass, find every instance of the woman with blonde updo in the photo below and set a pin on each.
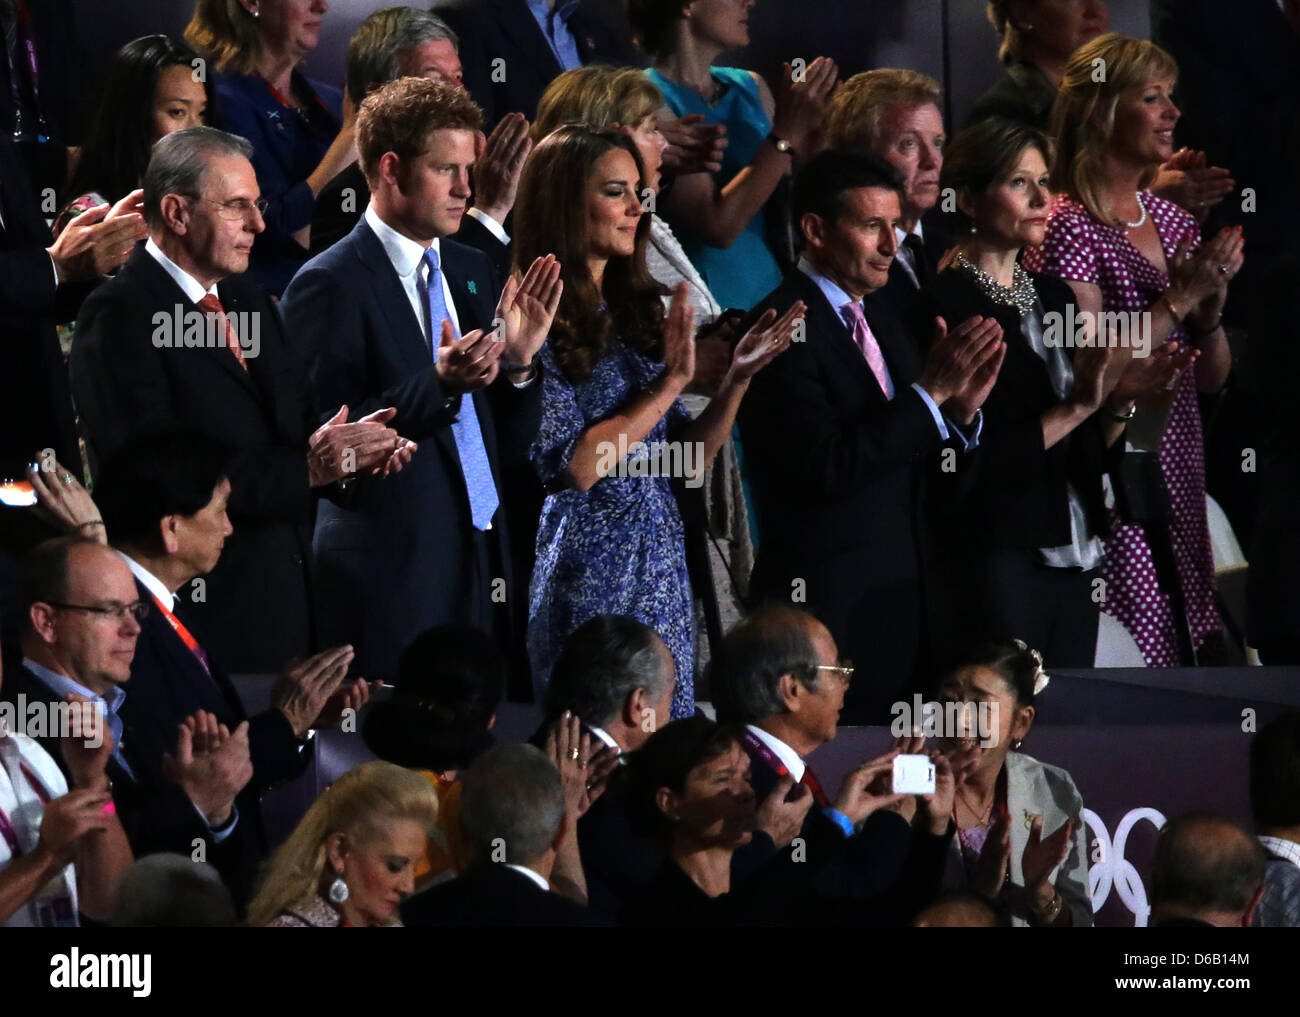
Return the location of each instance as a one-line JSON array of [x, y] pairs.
[[351, 860]]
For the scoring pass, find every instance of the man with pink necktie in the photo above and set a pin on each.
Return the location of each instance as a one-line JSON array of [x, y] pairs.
[[840, 430]]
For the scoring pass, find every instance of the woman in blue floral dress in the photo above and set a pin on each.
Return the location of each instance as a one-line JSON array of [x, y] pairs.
[[610, 538]]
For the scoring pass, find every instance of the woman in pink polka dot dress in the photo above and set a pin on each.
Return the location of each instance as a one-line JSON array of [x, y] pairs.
[[1122, 249]]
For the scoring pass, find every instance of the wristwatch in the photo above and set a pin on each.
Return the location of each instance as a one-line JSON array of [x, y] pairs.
[[781, 145]]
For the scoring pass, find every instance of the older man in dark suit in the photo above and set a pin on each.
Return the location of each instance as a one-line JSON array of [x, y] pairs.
[[398, 315], [178, 337], [513, 814], [838, 431]]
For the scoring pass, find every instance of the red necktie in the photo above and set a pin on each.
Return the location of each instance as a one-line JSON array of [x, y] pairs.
[[212, 305], [815, 786]]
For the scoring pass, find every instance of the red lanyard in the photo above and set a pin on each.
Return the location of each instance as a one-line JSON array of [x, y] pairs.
[[186, 636], [288, 103], [6, 827]]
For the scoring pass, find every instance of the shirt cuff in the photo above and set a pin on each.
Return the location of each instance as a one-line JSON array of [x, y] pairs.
[[491, 225], [933, 407], [54, 267], [839, 819], [220, 833], [975, 429]]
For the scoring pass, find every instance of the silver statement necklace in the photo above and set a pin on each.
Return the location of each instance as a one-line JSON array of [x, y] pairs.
[[1020, 294], [1142, 218]]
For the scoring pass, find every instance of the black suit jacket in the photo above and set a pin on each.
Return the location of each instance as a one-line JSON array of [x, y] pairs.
[[834, 473], [505, 29], [897, 296], [156, 814], [258, 609], [400, 554], [168, 684], [36, 411], [493, 896], [1011, 491]]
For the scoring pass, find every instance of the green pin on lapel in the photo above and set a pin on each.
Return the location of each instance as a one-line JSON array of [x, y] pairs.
[[472, 287]]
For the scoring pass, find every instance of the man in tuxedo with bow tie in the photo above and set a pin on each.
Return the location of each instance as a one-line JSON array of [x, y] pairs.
[[178, 337], [840, 430], [396, 314]]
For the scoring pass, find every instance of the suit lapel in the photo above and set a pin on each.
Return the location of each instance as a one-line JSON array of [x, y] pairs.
[[517, 22], [899, 352], [167, 296]]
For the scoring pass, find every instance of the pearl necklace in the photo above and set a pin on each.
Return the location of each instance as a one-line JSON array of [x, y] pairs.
[[1021, 294], [1141, 219]]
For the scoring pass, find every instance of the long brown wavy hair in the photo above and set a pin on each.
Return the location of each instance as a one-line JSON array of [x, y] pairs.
[[551, 218]]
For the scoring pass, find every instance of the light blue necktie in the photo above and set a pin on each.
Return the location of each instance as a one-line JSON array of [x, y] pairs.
[[474, 465]]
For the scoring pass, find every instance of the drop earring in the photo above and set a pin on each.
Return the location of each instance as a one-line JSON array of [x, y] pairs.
[[338, 890]]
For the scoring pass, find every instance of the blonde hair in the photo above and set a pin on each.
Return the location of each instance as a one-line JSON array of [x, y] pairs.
[[225, 33], [597, 96], [1083, 117], [858, 108], [1000, 17], [358, 805]]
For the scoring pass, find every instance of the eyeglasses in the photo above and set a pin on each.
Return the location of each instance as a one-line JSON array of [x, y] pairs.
[[844, 672], [235, 208], [139, 609]]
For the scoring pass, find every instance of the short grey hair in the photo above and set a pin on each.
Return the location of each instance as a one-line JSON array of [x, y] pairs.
[[604, 661], [376, 47], [746, 673], [512, 805], [168, 890], [180, 161]]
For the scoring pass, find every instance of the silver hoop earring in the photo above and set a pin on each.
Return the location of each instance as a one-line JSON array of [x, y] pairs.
[[338, 890]]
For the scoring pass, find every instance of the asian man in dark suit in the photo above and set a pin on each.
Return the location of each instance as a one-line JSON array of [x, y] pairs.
[[838, 433], [179, 337], [163, 497], [780, 680], [397, 315], [513, 49], [513, 815]]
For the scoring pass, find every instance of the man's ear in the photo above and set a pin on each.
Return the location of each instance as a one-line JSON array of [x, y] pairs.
[[634, 707], [41, 617], [175, 212], [389, 170], [666, 802], [813, 228], [792, 692], [167, 533]]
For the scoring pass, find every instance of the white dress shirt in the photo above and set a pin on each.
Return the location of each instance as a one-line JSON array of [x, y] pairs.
[[535, 877], [23, 808], [407, 258], [191, 286], [151, 582], [490, 224], [789, 758]]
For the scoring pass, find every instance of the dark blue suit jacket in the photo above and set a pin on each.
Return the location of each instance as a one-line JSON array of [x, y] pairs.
[[399, 554]]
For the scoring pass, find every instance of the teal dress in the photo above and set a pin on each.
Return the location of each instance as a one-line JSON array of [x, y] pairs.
[[744, 273]]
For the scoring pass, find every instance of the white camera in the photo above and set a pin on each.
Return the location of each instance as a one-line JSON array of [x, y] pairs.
[[913, 775]]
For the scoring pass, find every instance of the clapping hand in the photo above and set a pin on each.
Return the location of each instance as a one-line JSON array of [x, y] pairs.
[[469, 363], [1186, 180], [679, 339], [527, 307], [693, 146], [303, 689], [212, 765], [498, 164], [769, 337], [88, 745], [1041, 856], [583, 773], [339, 449]]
